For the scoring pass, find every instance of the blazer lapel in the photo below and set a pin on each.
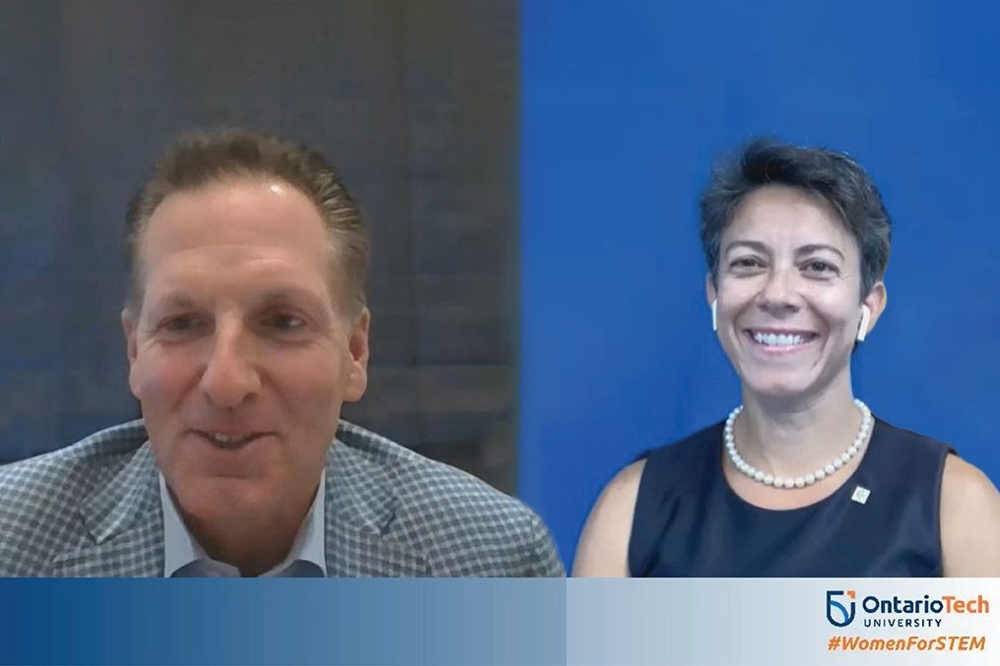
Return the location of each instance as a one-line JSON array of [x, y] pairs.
[[359, 514], [125, 521]]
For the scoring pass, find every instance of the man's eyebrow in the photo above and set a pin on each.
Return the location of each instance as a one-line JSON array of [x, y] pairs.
[[174, 299], [286, 294]]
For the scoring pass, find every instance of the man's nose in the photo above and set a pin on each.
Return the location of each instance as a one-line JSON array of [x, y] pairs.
[[230, 375]]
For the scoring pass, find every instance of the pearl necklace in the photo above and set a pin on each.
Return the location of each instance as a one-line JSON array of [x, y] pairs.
[[808, 479]]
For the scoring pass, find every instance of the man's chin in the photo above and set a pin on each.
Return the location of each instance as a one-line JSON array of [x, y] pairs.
[[225, 499]]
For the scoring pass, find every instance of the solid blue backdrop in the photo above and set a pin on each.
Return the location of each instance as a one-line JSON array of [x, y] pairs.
[[624, 107]]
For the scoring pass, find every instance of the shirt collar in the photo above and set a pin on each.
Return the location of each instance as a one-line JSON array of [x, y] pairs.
[[180, 548]]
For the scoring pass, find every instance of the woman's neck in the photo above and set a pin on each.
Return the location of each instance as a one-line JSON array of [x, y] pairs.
[[791, 438]]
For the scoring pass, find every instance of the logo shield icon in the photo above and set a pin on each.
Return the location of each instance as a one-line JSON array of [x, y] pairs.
[[837, 613]]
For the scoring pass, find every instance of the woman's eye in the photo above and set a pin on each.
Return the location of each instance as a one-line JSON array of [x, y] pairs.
[[746, 262], [821, 267]]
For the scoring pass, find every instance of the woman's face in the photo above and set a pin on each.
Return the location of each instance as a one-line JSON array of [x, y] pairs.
[[787, 288]]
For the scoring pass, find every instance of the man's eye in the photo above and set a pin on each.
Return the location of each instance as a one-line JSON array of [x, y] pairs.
[[180, 323], [284, 322]]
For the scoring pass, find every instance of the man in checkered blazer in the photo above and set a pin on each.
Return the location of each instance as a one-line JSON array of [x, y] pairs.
[[247, 329]]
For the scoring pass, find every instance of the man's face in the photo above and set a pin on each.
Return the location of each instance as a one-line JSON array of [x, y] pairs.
[[243, 350]]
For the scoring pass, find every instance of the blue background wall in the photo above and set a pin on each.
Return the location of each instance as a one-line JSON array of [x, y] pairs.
[[624, 107]]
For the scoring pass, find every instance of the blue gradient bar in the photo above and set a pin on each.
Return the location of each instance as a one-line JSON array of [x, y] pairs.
[[282, 621]]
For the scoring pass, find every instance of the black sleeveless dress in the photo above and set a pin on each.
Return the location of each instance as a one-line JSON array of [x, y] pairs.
[[689, 522]]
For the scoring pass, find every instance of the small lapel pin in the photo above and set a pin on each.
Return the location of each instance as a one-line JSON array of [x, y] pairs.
[[860, 494]]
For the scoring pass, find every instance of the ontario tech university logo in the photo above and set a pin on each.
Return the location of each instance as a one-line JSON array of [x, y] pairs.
[[837, 613], [895, 611]]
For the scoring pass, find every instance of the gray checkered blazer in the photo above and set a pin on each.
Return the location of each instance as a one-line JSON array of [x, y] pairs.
[[93, 509]]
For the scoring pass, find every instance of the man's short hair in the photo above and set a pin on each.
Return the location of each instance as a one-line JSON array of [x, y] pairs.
[[196, 159]]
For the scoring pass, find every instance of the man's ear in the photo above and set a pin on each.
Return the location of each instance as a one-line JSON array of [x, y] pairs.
[[129, 325], [357, 382]]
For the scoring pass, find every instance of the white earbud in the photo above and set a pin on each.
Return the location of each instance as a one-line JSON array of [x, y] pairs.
[[715, 322], [866, 317]]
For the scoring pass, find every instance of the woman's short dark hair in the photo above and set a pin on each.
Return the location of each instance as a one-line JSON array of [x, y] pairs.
[[832, 176]]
